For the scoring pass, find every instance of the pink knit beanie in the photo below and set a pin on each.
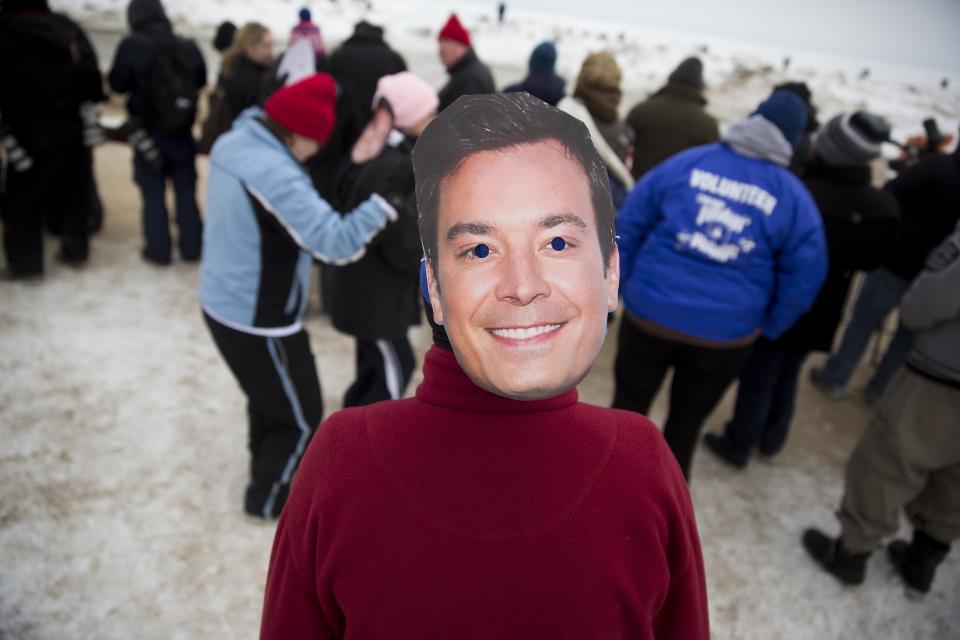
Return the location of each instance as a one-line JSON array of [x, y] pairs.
[[410, 98]]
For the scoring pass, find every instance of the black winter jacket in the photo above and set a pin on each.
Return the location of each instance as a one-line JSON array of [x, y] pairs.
[[324, 166], [860, 223], [467, 77], [134, 59], [47, 70], [362, 60], [379, 295], [929, 196], [243, 84]]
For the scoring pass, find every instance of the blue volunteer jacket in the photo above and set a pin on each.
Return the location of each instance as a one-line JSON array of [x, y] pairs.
[[264, 225], [715, 244]]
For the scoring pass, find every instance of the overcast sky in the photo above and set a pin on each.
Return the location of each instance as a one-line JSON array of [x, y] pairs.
[[923, 33]]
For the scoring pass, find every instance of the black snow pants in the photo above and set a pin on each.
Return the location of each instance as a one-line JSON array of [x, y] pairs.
[[284, 406]]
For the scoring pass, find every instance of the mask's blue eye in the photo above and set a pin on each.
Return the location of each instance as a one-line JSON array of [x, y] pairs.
[[558, 244], [481, 251]]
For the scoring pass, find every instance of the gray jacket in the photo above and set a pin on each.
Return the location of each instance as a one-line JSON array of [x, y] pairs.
[[931, 309]]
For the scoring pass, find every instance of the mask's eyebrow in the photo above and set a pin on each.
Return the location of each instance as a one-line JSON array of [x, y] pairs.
[[472, 228], [558, 219]]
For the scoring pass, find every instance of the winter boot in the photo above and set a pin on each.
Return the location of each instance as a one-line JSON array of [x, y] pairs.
[[726, 450], [848, 568], [917, 562]]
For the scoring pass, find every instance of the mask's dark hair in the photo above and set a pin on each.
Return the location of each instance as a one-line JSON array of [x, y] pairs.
[[496, 121]]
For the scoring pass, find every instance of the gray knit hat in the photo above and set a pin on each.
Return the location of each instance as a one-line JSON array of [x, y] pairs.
[[852, 139]]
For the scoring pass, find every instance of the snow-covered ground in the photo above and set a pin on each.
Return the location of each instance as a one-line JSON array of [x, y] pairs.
[[123, 458]]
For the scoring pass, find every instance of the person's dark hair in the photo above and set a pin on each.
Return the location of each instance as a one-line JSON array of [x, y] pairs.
[[495, 121], [281, 132]]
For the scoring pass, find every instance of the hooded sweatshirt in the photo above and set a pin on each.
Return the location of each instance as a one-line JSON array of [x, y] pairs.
[[722, 240], [133, 62], [757, 137], [147, 15]]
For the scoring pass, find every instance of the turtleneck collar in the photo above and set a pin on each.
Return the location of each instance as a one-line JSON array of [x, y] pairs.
[[446, 385]]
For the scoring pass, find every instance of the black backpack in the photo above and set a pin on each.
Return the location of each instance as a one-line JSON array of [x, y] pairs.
[[171, 96]]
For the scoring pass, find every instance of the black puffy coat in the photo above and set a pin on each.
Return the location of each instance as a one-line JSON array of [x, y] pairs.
[[362, 60], [860, 223], [929, 197], [379, 295], [133, 62], [467, 77], [47, 70]]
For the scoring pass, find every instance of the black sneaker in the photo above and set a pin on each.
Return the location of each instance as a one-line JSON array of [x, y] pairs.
[[725, 450], [70, 260], [150, 260], [917, 562], [848, 568], [262, 502], [12, 275], [830, 389]]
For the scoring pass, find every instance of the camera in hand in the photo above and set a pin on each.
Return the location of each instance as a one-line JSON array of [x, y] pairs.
[[917, 147]]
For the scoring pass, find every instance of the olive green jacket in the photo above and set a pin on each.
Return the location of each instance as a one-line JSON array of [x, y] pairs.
[[671, 120]]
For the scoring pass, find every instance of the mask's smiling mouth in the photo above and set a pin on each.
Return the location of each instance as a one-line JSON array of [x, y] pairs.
[[524, 333]]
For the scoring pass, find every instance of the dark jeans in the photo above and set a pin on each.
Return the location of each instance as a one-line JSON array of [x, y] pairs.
[[284, 406], [54, 188], [700, 376], [179, 164], [384, 368], [91, 200], [880, 294], [765, 399]]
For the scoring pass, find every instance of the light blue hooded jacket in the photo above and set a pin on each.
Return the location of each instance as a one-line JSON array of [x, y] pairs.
[[264, 225]]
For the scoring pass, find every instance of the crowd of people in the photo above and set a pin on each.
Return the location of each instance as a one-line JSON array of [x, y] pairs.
[[735, 255]]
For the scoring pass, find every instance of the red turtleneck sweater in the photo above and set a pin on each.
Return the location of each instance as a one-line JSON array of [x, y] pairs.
[[462, 514]]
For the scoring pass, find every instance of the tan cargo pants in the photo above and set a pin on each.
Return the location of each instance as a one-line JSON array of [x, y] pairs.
[[908, 458]]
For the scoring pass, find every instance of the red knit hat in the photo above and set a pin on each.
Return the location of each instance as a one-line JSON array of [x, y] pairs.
[[306, 107], [453, 30]]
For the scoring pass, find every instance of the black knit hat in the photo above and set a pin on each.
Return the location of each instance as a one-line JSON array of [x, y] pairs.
[[688, 73], [224, 36], [852, 139]]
